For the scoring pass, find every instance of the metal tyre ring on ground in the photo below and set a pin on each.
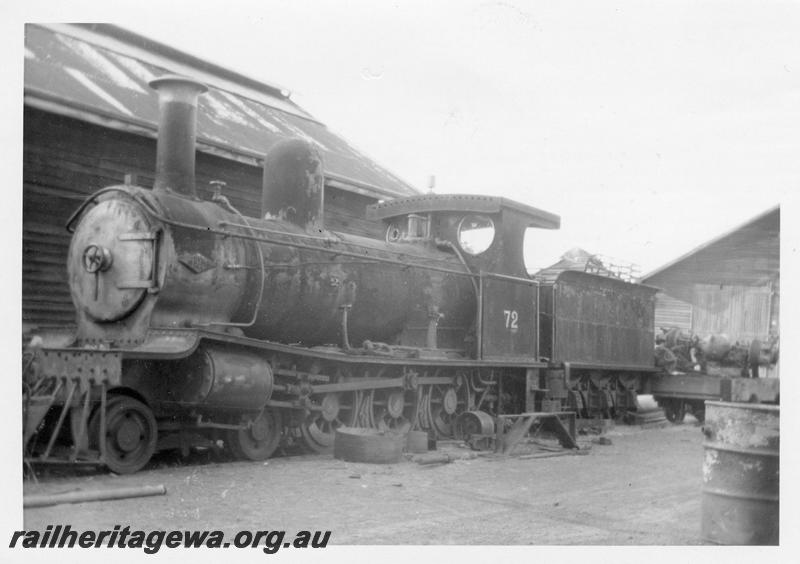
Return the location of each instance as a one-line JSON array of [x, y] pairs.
[[131, 434], [259, 440], [368, 445]]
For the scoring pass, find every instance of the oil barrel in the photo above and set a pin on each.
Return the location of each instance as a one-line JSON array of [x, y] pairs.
[[741, 473]]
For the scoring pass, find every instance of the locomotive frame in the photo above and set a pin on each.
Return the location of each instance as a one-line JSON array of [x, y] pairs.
[[197, 325]]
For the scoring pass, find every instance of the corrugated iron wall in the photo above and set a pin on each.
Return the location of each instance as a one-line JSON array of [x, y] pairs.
[[64, 160], [741, 312]]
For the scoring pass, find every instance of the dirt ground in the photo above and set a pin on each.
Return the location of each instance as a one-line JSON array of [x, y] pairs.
[[642, 489]]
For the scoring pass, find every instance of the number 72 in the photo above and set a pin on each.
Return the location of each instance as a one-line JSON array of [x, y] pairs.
[[511, 318]]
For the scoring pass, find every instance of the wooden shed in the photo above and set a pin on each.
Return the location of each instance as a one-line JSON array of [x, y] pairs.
[[90, 118], [729, 285]]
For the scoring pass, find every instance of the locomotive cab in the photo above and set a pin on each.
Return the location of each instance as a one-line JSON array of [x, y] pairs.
[[487, 232]]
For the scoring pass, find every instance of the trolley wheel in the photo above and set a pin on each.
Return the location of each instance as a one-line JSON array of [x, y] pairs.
[[675, 411], [131, 434], [699, 412], [259, 440]]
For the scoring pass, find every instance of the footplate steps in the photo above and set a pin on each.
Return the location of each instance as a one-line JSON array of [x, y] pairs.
[[552, 422]]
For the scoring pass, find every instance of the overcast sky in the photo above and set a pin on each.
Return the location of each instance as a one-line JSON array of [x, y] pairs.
[[649, 127]]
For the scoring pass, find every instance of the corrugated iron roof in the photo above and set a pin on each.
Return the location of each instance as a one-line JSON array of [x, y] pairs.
[[68, 73], [732, 245]]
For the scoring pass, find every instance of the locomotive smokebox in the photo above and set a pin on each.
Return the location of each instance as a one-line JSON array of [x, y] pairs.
[[294, 185], [177, 124]]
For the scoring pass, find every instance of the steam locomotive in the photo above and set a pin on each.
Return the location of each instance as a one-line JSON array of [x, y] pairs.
[[197, 325]]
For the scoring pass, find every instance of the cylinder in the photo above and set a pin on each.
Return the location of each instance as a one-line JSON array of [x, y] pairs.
[[218, 378], [741, 474], [177, 123]]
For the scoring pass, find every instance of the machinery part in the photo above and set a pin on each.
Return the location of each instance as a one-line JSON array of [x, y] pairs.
[[318, 429], [368, 445], [674, 410], [476, 428], [131, 434], [96, 495], [741, 474], [665, 358], [259, 439], [715, 347], [472, 423]]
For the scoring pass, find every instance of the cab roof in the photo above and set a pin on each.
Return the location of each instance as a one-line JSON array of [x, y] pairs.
[[427, 203]]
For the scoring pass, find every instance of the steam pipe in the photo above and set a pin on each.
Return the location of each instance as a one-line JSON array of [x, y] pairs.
[[177, 127]]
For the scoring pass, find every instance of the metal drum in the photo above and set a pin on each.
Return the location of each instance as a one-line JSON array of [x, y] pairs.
[[741, 473]]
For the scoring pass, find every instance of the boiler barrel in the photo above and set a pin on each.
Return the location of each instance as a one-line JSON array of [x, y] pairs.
[[740, 474]]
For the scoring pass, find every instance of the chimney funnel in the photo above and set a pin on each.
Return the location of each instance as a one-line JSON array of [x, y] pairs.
[[177, 125]]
